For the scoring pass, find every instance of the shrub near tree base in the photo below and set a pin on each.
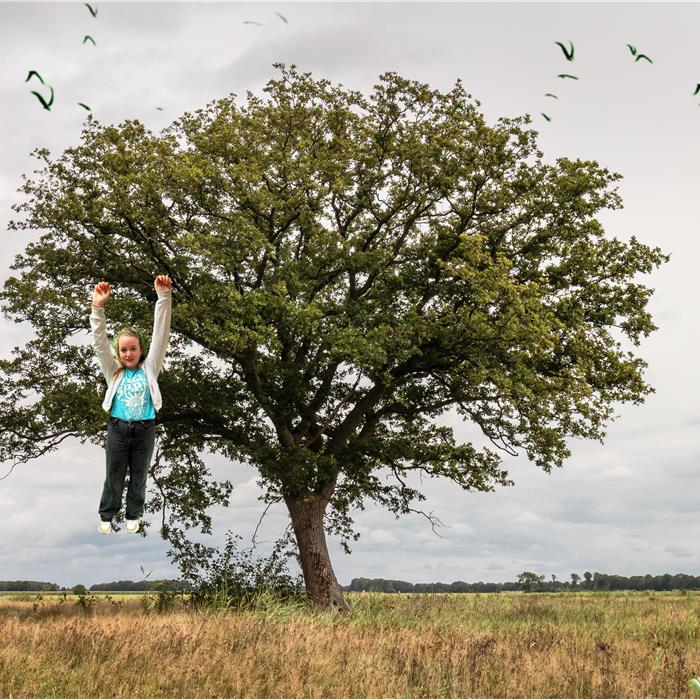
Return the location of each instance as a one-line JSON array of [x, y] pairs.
[[345, 269], [235, 578]]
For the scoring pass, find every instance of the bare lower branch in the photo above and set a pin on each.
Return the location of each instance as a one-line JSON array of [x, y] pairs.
[[42, 452], [432, 519], [10, 472], [252, 539]]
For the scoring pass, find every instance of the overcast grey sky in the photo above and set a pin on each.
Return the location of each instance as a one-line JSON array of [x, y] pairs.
[[629, 506]]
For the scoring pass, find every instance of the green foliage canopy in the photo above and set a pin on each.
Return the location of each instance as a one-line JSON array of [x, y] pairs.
[[345, 269]]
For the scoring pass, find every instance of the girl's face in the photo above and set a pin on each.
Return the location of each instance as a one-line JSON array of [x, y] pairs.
[[129, 351]]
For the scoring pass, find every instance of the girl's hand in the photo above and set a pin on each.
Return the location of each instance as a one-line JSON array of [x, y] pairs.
[[163, 283], [101, 294]]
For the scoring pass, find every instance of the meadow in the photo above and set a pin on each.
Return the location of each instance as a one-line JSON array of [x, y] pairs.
[[578, 645]]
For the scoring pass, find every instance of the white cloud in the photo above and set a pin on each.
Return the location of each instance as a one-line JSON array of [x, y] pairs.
[[245, 495], [461, 529], [527, 516], [619, 471], [382, 537]]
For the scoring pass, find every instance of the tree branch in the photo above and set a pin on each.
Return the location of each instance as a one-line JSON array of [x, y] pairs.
[[343, 401]]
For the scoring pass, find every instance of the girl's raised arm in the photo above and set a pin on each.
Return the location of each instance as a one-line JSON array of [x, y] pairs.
[[161, 324], [108, 365]]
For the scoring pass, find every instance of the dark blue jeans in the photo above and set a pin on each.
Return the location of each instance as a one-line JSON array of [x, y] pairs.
[[129, 444]]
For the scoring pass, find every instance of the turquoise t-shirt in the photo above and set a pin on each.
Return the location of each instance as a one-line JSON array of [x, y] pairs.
[[133, 398]]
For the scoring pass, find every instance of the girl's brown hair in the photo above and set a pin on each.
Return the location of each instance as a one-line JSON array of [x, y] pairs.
[[143, 345]]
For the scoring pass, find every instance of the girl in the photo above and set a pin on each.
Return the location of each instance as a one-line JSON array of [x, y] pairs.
[[132, 399]]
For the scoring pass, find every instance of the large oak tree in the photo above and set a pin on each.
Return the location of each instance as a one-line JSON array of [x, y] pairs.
[[345, 269]]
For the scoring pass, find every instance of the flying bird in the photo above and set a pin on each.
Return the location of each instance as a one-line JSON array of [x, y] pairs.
[[87, 36], [248, 21], [46, 105], [160, 109], [549, 119], [282, 17], [146, 575], [549, 94], [82, 104], [566, 75], [31, 73], [569, 54], [697, 89], [89, 7], [633, 51]]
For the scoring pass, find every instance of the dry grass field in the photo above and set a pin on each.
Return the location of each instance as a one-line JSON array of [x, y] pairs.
[[576, 645]]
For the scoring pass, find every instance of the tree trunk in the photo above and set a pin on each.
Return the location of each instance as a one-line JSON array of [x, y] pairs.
[[307, 520]]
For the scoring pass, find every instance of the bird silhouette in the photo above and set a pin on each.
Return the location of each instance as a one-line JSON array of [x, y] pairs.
[[549, 119], [569, 54], [697, 89], [46, 105], [89, 7], [633, 51], [248, 21], [87, 36], [82, 104], [282, 17], [31, 73], [160, 109], [549, 94], [146, 575], [566, 75]]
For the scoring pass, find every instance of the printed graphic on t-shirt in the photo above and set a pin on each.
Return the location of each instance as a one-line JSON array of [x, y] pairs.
[[133, 394]]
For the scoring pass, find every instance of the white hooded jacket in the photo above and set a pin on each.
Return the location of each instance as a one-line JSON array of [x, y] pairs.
[[156, 353]]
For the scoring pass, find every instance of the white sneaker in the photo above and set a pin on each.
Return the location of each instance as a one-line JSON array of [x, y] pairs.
[[132, 526], [105, 526]]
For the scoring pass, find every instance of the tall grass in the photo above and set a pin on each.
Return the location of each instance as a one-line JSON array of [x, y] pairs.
[[406, 645]]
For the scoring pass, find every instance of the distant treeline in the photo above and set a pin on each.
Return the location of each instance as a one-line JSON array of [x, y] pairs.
[[28, 586], [390, 586], [162, 584], [590, 582], [527, 581]]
